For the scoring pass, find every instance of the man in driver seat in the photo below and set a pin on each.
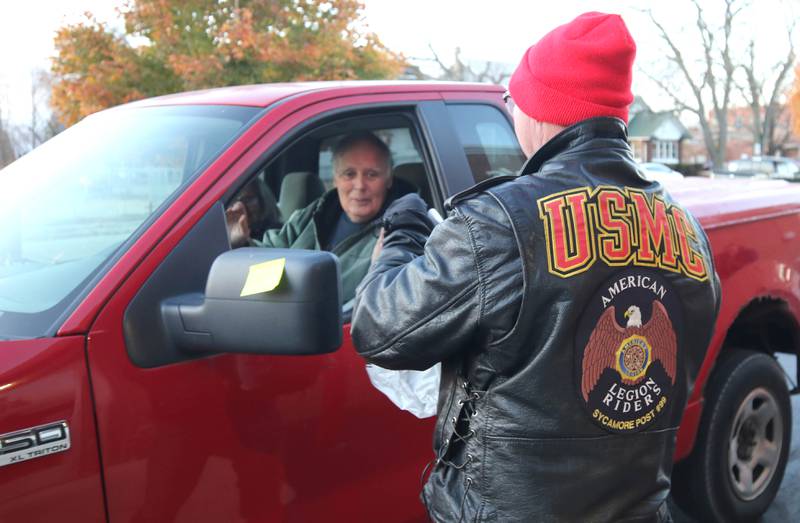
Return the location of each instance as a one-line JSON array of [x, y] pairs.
[[346, 220]]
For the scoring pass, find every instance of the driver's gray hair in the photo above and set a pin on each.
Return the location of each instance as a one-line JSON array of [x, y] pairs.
[[351, 140]]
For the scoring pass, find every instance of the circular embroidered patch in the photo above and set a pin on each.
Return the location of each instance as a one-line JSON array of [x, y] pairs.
[[627, 350]]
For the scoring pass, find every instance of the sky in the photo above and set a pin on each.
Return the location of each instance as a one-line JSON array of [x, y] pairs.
[[497, 31]]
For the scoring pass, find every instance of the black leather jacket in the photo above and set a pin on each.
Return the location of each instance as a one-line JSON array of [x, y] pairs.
[[572, 307]]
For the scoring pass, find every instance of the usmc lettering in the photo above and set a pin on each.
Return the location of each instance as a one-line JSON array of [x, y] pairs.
[[570, 242], [620, 226]]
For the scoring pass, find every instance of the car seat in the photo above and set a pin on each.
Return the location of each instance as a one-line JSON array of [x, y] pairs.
[[414, 174], [298, 189], [271, 215]]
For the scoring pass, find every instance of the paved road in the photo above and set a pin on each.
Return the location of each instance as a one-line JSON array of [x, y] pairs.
[[786, 506]]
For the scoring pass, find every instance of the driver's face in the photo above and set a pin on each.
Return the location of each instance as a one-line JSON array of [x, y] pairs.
[[362, 179]]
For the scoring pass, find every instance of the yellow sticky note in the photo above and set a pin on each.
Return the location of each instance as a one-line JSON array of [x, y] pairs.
[[263, 277]]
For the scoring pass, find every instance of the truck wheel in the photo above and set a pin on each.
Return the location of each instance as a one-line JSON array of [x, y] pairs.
[[742, 446]]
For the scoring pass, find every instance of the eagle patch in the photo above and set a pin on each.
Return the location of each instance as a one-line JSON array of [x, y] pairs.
[[627, 351]]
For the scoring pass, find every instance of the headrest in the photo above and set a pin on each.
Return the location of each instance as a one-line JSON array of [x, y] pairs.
[[298, 189], [414, 174]]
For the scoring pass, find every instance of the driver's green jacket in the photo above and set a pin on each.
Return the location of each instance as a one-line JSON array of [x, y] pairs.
[[308, 228]]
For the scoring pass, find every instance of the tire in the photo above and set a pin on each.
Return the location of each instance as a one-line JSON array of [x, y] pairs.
[[742, 446]]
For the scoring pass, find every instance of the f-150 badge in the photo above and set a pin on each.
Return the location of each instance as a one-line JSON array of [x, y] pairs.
[[35, 442], [627, 351]]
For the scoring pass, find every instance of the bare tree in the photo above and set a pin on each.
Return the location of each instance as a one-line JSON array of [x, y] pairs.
[[716, 81], [43, 124], [7, 153], [765, 101], [460, 71]]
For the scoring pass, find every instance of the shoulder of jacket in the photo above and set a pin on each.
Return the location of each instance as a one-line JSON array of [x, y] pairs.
[[476, 189], [317, 206], [301, 217]]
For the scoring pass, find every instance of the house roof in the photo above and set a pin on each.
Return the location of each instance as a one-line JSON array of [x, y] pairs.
[[638, 105], [646, 123]]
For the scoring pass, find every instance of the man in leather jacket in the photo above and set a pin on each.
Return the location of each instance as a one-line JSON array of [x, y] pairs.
[[571, 306]]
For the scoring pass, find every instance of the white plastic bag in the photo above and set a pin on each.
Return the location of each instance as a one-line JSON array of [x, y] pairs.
[[416, 391]]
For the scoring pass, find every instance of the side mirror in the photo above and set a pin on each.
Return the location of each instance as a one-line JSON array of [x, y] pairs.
[[262, 301]]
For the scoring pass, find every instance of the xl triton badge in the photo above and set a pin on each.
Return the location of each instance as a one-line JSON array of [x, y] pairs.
[[35, 442], [627, 351]]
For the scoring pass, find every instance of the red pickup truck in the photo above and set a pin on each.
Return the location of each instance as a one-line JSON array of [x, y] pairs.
[[136, 384]]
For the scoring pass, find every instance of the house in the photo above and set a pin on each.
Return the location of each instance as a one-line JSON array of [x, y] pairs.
[[655, 136], [740, 140]]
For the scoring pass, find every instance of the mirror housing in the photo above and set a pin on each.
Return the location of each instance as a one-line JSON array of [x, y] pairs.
[[301, 315]]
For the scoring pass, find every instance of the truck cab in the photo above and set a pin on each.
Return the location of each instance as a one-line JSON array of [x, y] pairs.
[[112, 409]]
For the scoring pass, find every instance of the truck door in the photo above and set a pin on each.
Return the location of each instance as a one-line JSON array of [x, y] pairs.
[[234, 437]]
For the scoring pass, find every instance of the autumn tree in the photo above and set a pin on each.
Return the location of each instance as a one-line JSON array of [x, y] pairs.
[[195, 44], [794, 102], [95, 69]]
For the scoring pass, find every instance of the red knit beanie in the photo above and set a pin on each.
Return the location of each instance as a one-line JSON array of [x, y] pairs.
[[577, 71]]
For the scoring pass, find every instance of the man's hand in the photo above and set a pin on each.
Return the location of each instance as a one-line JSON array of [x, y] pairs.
[[408, 208], [407, 212], [406, 225], [238, 225]]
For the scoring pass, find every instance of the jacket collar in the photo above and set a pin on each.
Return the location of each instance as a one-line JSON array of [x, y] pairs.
[[576, 136]]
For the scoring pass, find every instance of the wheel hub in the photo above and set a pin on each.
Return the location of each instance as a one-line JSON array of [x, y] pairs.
[[756, 441], [747, 439]]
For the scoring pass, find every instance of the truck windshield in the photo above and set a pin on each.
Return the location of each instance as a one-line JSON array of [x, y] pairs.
[[68, 206]]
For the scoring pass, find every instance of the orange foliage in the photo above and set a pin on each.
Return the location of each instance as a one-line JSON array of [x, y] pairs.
[[94, 70], [195, 44], [794, 101]]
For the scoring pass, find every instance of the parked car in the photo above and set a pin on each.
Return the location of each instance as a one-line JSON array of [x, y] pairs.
[[765, 167], [137, 383], [660, 172]]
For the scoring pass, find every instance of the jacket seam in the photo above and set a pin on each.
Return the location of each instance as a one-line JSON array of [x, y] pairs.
[[482, 487], [424, 320], [490, 421], [442, 427], [478, 265], [524, 266], [491, 418], [498, 437]]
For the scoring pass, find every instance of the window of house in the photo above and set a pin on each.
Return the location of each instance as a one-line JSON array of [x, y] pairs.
[[665, 151], [639, 147], [488, 140]]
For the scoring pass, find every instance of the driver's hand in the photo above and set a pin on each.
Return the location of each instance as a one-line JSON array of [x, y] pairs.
[[238, 225]]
